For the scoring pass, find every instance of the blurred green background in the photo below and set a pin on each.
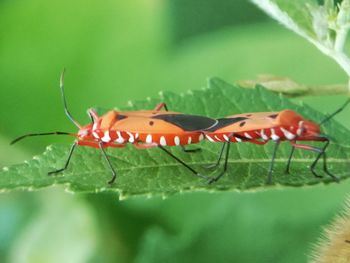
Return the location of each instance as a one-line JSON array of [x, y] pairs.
[[116, 51]]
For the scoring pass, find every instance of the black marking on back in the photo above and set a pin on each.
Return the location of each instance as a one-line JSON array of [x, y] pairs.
[[223, 122], [273, 116], [187, 122], [120, 117], [242, 124]]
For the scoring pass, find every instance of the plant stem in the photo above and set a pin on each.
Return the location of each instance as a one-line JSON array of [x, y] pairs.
[[290, 88], [340, 39]]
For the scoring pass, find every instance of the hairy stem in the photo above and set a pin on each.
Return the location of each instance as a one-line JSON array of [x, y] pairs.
[[291, 88]]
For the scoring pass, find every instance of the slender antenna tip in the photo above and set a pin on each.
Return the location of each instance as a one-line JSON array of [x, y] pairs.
[[62, 77]]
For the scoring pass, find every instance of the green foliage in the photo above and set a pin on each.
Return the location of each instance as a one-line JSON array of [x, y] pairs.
[[119, 50], [325, 25], [153, 172]]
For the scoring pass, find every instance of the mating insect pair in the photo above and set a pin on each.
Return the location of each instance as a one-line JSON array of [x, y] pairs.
[[159, 128]]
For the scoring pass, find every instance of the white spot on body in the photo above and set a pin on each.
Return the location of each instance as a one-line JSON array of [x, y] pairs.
[[149, 138], [287, 134], [95, 135], [131, 137], [274, 136], [217, 138], [226, 138], [301, 128], [106, 137], [201, 137], [263, 135], [120, 139], [247, 135], [177, 140], [189, 140], [94, 127], [136, 135], [299, 131], [162, 141], [209, 138], [238, 139]]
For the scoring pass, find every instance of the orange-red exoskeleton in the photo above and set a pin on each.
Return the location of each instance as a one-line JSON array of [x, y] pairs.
[[262, 127]]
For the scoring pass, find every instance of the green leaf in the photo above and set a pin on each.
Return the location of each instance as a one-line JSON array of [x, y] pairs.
[[325, 25], [153, 172], [295, 15]]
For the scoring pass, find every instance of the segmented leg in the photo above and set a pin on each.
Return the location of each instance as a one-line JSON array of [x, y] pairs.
[[183, 163], [160, 106], [289, 160], [215, 179], [321, 152], [114, 174], [217, 163], [67, 162], [269, 176]]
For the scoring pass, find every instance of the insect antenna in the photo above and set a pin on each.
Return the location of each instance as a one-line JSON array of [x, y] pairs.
[[335, 113], [65, 101], [40, 134]]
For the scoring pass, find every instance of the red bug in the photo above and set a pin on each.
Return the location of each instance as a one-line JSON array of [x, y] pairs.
[[143, 129], [262, 127]]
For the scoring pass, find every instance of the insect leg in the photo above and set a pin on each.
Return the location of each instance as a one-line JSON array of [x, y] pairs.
[[215, 179], [321, 152], [160, 106], [39, 134], [214, 165], [67, 162], [109, 163], [290, 159], [180, 161], [269, 176], [325, 168]]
